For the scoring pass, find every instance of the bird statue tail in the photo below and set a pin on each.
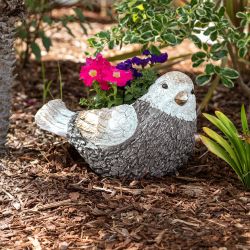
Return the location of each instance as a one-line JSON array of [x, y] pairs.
[[54, 117]]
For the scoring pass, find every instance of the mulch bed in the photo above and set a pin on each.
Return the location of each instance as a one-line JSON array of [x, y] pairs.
[[50, 199]]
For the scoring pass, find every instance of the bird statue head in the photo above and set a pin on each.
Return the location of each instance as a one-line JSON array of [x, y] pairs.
[[173, 93]]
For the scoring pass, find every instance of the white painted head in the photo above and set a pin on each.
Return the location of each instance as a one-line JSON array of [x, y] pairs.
[[173, 93]]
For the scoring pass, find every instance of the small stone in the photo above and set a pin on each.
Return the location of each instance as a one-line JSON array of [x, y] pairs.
[[63, 245]]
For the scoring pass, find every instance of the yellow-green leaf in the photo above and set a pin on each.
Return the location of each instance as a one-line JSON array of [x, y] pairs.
[[221, 141], [220, 152], [135, 17], [226, 121], [244, 120], [140, 7]]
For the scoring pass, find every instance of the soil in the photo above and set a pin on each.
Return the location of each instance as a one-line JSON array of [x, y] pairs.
[[50, 199]]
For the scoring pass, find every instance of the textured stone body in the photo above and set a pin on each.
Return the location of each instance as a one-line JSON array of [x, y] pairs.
[[160, 144]]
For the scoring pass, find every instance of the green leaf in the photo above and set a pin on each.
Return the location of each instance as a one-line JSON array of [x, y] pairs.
[[128, 98], [154, 50], [198, 62], [22, 33], [46, 42], [209, 5], [157, 25], [47, 19], [232, 131], [209, 30], [170, 39], [214, 35], [36, 50], [111, 44], [235, 151], [215, 47], [242, 52], [201, 12], [199, 55], [217, 69], [104, 34], [196, 40], [219, 54], [203, 79], [65, 25], [193, 2], [215, 121], [147, 36], [241, 15], [217, 150], [79, 14], [222, 142], [226, 121], [205, 46], [165, 1], [183, 19], [227, 82], [244, 121], [210, 69], [229, 73], [221, 11]]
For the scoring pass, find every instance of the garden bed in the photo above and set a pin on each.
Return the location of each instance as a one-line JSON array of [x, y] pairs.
[[50, 199]]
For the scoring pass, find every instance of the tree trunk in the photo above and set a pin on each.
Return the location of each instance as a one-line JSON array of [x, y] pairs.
[[10, 11]]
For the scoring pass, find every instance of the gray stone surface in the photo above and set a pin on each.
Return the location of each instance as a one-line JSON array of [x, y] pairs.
[[160, 144]]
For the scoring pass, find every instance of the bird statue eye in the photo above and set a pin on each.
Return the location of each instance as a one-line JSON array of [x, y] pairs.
[[164, 85], [192, 91]]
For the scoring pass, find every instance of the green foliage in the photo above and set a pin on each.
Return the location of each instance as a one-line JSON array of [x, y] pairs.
[[140, 85], [160, 21], [233, 148], [234, 11], [39, 20], [102, 99], [116, 96], [47, 83]]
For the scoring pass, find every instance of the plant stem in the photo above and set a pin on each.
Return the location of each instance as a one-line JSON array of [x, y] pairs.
[[44, 82], [211, 90], [234, 58], [60, 81], [209, 95]]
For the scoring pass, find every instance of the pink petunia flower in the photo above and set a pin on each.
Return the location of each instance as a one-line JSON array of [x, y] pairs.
[[104, 85], [93, 71], [117, 76], [89, 74], [103, 61]]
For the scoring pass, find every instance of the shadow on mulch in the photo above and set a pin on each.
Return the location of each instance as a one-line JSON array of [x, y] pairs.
[[50, 199]]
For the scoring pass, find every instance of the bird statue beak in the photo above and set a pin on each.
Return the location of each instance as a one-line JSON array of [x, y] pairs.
[[181, 98]]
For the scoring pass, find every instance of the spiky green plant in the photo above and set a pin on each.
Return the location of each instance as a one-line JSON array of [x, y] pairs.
[[233, 147]]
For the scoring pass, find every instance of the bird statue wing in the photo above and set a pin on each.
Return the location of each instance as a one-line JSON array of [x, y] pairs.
[[107, 127]]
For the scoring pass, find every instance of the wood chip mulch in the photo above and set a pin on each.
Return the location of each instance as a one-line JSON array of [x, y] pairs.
[[50, 199]]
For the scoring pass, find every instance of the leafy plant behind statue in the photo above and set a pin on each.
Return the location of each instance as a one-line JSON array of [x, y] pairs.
[[233, 148], [160, 21], [39, 20]]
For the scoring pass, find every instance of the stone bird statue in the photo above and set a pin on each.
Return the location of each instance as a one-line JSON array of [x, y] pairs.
[[151, 137]]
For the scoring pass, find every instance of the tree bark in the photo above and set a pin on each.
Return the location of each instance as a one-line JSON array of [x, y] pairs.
[[10, 11]]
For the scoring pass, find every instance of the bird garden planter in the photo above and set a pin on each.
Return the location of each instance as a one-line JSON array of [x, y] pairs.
[[153, 136]]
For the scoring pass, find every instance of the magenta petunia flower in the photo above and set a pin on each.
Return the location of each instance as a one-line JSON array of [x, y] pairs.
[[100, 70], [89, 74], [104, 85], [117, 76], [103, 61], [93, 71]]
